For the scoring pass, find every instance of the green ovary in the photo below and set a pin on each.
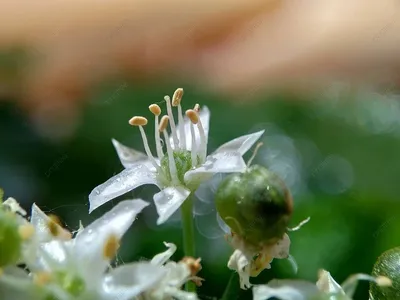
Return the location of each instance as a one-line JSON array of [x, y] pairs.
[[74, 285], [183, 162], [10, 240]]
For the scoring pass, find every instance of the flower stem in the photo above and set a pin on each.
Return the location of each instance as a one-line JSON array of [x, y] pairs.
[[231, 290], [188, 233]]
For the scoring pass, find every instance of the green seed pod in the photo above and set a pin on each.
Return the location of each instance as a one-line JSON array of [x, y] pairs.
[[388, 264], [10, 239], [256, 205]]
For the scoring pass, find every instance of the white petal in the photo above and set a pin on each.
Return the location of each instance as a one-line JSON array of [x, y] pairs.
[[129, 156], [52, 255], [205, 121], [89, 244], [241, 144], [120, 184], [178, 273], [327, 284], [41, 223], [17, 286], [168, 201], [222, 162], [285, 290], [163, 257], [281, 248], [128, 281], [241, 264], [14, 206]]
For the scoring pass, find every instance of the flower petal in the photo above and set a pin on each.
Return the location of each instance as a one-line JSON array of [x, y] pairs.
[[130, 157], [89, 244], [128, 281], [205, 121], [285, 290], [14, 206], [241, 264], [163, 257], [121, 183], [241, 144], [327, 284], [168, 200], [41, 223], [222, 162]]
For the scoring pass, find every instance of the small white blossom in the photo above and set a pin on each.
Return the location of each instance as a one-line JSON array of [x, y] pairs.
[[303, 290], [249, 261], [185, 165]]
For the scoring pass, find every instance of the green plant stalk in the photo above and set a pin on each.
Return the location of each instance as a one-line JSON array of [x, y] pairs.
[[188, 234]]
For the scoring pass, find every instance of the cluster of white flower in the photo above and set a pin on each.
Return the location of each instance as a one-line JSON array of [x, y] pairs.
[[61, 265], [41, 260]]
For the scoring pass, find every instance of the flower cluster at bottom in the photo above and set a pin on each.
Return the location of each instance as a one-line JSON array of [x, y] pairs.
[[63, 266]]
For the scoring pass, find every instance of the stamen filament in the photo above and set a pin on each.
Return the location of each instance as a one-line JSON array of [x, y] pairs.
[[159, 150], [171, 160], [182, 134], [194, 146], [147, 149], [203, 142], [172, 122]]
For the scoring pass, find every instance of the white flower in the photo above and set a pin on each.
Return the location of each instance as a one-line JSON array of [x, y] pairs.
[[77, 267], [303, 290], [185, 165], [249, 261]]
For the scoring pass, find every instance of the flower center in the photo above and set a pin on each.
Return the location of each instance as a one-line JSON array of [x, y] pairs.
[[74, 285], [183, 163], [182, 155]]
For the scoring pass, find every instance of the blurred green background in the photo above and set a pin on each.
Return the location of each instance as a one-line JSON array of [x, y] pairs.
[[337, 152]]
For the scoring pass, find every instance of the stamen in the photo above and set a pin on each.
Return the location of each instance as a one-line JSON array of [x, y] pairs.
[[111, 247], [350, 284], [172, 122], [196, 108], [42, 278], [26, 231], [193, 264], [300, 225], [54, 225], [203, 141], [177, 97], [156, 110], [191, 114], [254, 154], [140, 122], [176, 101], [171, 160]]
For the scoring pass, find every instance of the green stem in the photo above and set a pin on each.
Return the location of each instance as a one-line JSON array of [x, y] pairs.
[[231, 290], [188, 234]]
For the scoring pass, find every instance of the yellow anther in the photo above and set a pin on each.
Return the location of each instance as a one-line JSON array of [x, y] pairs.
[[196, 108], [111, 247], [163, 123], [26, 231], [138, 121], [193, 264], [54, 225], [193, 116], [177, 97], [155, 109], [41, 278], [383, 281]]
